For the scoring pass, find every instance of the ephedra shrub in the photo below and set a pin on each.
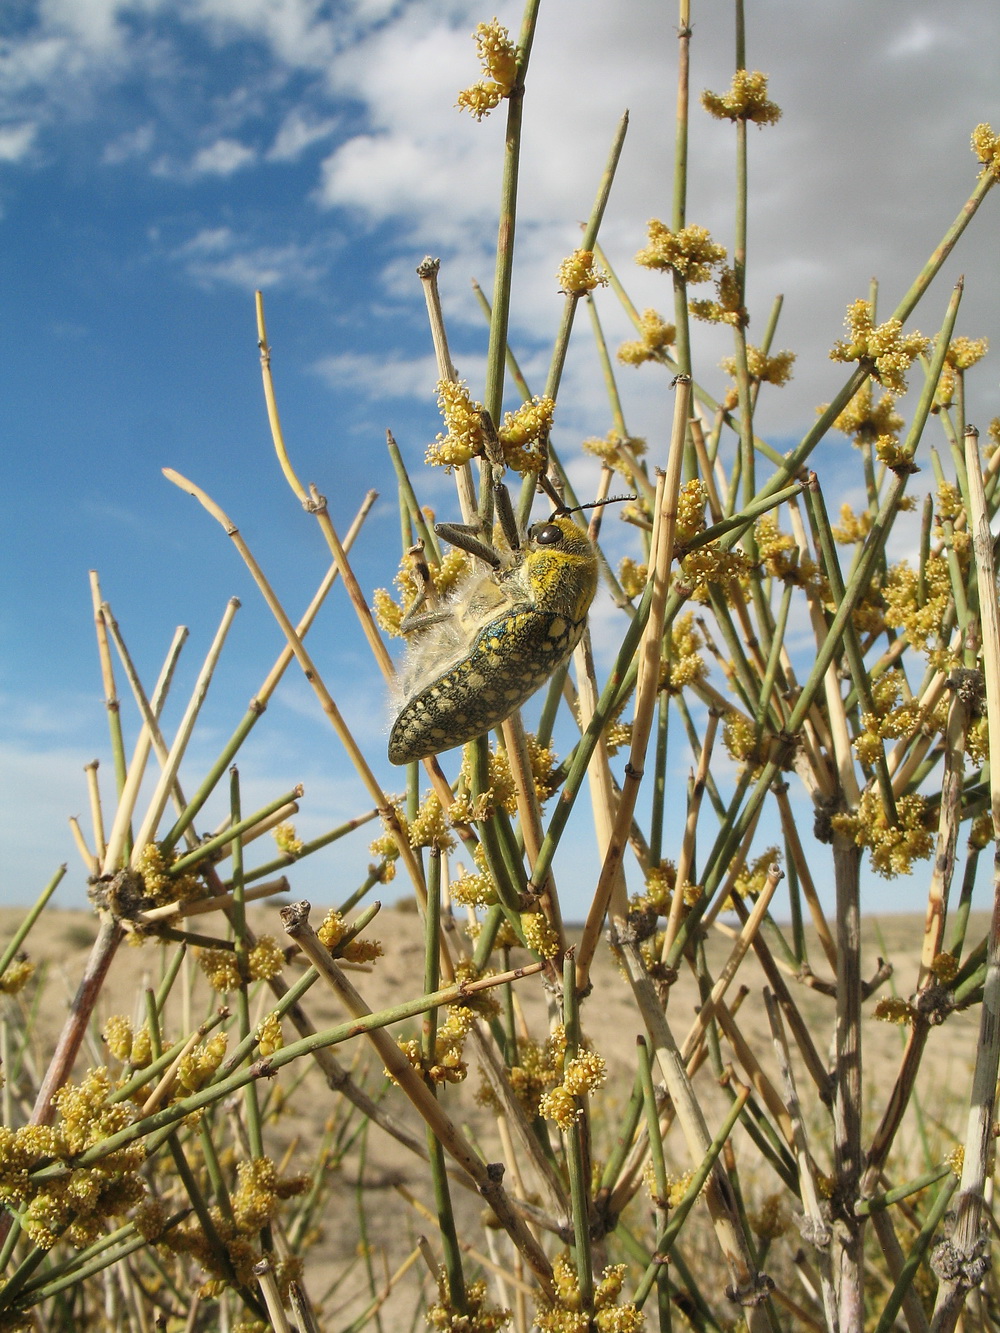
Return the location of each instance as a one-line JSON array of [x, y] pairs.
[[725, 1158]]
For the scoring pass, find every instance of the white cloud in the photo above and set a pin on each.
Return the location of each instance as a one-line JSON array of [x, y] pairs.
[[919, 36], [219, 254], [222, 158], [380, 377], [43, 787], [130, 145], [16, 141], [93, 23], [210, 240], [838, 189], [297, 132]]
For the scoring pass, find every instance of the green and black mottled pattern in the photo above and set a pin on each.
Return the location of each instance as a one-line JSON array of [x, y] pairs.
[[512, 654]]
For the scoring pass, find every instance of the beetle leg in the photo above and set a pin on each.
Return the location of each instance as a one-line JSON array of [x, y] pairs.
[[417, 620], [508, 523], [492, 447], [464, 537], [426, 594]]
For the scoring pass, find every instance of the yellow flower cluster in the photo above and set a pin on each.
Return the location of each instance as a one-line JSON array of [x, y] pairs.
[[284, 836], [986, 146], [867, 421], [977, 740], [447, 1066], [771, 1219], [961, 354], [445, 577], [78, 1204], [896, 457], [919, 622], [751, 881], [656, 335], [128, 1046], [498, 57], [893, 847], [385, 844], [727, 308], [17, 975], [264, 961], [774, 548], [538, 1068], [710, 564], [890, 720], [956, 1160], [944, 968], [158, 886], [739, 738], [198, 1066], [524, 435], [474, 889], [691, 501], [269, 1035], [221, 969], [660, 882], [632, 576], [746, 100], [949, 501], [429, 827], [566, 1313], [464, 438], [618, 451], [763, 369], [478, 1317], [542, 762], [691, 253], [539, 934], [852, 527], [332, 930], [577, 274], [893, 1009], [581, 1076], [885, 350], [682, 662], [253, 1205], [981, 832], [677, 1188], [617, 735]]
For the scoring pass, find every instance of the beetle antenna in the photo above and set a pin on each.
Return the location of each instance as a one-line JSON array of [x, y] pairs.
[[595, 504]]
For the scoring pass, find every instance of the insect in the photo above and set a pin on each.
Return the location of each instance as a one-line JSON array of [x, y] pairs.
[[500, 635]]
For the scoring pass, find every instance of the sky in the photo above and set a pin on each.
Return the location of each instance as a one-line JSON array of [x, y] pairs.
[[161, 159]]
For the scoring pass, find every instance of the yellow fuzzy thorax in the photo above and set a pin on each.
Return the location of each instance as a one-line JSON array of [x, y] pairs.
[[562, 580]]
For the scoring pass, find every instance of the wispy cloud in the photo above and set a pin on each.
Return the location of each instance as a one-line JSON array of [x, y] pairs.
[[130, 145], [380, 377], [16, 141], [220, 254], [297, 132], [222, 158]]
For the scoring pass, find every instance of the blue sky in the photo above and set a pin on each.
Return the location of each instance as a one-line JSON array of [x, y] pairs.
[[161, 159]]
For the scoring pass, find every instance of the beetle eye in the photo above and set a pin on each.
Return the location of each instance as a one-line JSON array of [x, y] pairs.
[[548, 534]]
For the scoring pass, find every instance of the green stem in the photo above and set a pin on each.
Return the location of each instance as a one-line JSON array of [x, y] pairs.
[[916, 1256], [32, 916], [576, 1154], [438, 1168], [493, 393], [206, 849]]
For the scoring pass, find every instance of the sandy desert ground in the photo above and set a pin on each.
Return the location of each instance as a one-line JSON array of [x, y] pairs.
[[387, 1172]]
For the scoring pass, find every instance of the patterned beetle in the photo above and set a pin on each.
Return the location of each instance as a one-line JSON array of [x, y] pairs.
[[499, 636]]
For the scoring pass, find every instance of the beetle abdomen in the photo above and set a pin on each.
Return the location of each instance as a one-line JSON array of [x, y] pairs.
[[508, 660]]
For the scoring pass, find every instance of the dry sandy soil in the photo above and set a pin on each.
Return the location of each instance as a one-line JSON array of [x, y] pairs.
[[62, 940]]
